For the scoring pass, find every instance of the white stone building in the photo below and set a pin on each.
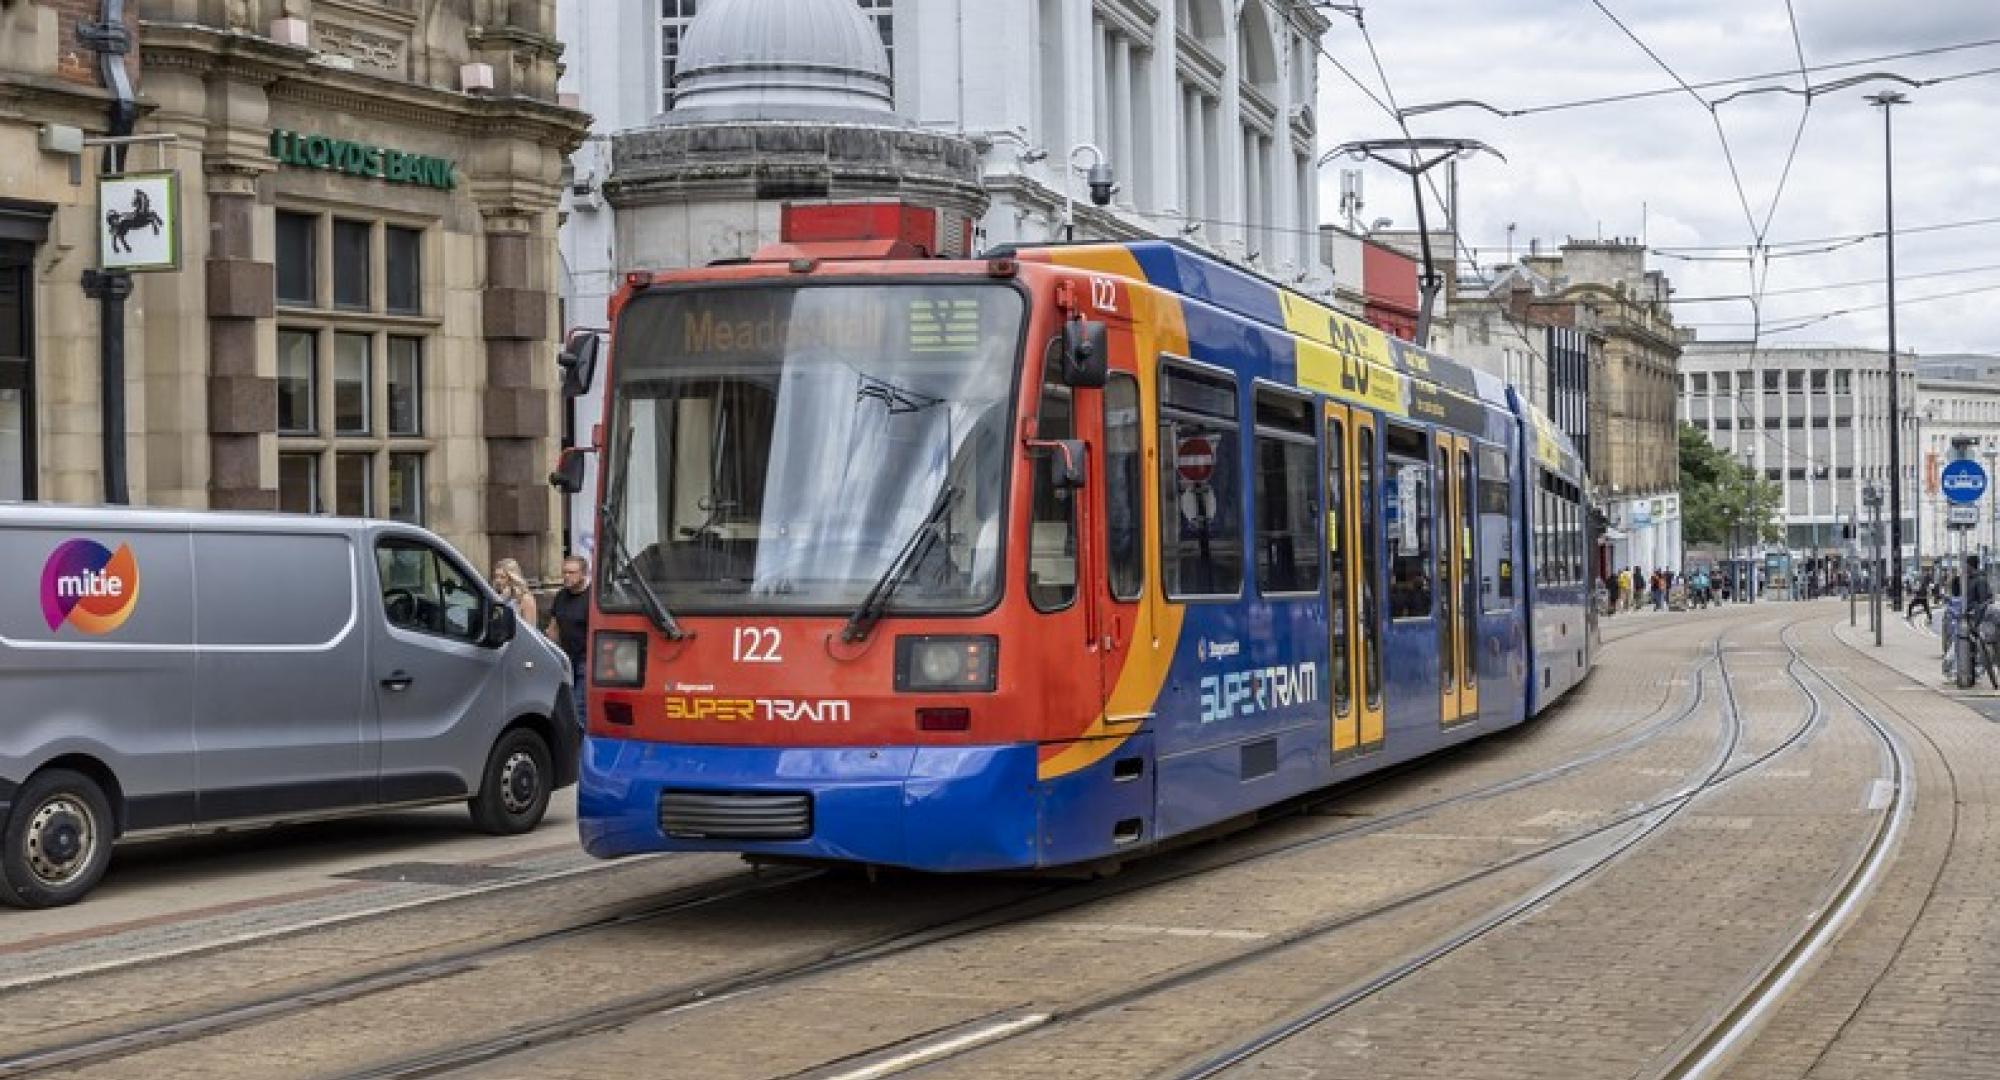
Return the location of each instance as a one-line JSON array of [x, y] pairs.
[[1958, 397], [1814, 419], [1204, 109]]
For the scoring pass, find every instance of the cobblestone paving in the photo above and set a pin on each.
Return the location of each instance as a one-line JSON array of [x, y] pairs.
[[73, 1010], [1069, 960], [1913, 990], [1613, 977]]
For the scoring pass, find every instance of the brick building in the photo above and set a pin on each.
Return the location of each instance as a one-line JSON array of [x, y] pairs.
[[364, 315]]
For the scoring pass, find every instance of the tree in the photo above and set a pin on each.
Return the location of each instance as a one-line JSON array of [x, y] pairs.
[[1720, 496]]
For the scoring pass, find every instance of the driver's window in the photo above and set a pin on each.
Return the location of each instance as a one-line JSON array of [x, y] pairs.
[[425, 592], [461, 602]]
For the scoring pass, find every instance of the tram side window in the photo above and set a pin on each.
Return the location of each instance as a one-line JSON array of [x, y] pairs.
[[1406, 512], [1124, 488], [1052, 522], [1286, 494], [1201, 518], [1577, 539], [1544, 572], [1496, 531]]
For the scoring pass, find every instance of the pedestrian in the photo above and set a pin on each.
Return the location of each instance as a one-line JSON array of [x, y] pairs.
[[1921, 595], [512, 586], [1611, 588], [569, 625], [1977, 590]]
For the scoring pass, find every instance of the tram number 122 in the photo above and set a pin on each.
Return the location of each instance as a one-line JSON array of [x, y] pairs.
[[757, 645]]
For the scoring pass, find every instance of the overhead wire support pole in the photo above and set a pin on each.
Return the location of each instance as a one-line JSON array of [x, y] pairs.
[[1441, 150], [1886, 100]]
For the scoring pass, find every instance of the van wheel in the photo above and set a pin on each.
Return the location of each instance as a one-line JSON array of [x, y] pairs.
[[58, 840], [514, 790]]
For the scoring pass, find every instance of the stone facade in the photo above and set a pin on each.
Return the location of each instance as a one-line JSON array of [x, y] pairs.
[[1958, 398], [413, 376], [1812, 419], [1602, 291]]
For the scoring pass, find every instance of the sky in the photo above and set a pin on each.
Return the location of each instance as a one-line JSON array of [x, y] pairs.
[[1656, 168]]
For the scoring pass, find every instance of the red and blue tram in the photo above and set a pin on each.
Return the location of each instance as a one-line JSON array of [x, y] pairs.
[[1047, 558]]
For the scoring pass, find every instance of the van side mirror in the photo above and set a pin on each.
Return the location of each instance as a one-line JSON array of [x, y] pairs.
[[1066, 464], [578, 361], [1086, 354], [500, 626], [568, 477]]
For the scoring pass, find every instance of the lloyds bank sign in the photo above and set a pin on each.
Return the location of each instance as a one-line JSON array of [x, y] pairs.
[[361, 159]]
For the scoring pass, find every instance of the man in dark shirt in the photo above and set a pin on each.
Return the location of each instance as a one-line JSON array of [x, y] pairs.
[[1979, 591], [569, 625]]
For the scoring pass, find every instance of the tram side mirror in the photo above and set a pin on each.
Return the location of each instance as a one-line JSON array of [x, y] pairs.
[[1086, 354], [578, 362], [568, 477], [1066, 464]]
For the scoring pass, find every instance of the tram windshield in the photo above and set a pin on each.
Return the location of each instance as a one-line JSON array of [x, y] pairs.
[[777, 448]]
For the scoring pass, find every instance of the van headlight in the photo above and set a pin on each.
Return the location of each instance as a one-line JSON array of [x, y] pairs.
[[929, 665], [618, 659]]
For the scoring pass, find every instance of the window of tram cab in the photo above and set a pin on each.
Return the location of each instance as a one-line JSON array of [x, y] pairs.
[[1201, 518], [1407, 516], [1052, 519]]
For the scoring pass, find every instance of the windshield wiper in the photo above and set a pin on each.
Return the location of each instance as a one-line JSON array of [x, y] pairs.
[[627, 567], [913, 551]]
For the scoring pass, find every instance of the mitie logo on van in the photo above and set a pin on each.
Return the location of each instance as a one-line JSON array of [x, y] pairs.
[[89, 586]]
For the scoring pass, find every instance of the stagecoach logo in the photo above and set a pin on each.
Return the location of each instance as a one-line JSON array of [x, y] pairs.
[[1257, 690], [89, 586], [1206, 650], [723, 710]]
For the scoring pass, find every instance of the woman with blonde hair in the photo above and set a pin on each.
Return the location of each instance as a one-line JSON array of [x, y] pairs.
[[512, 586]]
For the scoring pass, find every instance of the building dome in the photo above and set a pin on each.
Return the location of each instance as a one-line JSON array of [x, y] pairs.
[[782, 59]]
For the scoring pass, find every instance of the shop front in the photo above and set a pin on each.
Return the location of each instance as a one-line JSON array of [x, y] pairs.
[[361, 318]]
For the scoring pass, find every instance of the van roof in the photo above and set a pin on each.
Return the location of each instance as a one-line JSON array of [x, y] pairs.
[[86, 516]]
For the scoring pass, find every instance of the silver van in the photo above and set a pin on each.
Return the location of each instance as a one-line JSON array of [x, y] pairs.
[[172, 670]]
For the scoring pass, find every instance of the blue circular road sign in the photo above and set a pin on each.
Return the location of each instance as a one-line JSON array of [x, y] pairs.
[[1963, 481]]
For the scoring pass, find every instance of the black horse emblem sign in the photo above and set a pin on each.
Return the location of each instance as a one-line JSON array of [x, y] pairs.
[[141, 216], [141, 230]]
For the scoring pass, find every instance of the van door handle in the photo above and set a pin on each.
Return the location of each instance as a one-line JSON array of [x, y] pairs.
[[397, 680]]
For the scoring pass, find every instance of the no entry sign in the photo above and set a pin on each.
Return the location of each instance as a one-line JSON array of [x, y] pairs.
[[1194, 458]]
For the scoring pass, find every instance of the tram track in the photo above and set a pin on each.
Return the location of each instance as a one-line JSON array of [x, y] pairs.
[[1008, 1027], [960, 1043], [1705, 1052], [666, 1000]]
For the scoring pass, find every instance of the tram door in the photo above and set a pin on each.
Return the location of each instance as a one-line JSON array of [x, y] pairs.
[[1457, 644], [1355, 646], [1461, 643]]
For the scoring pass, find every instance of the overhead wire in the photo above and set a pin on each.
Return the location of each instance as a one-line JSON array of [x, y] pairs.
[[1396, 114], [1856, 284], [1711, 84]]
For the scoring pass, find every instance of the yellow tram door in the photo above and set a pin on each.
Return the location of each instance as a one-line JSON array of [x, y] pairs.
[[1354, 614], [1341, 626], [1451, 593]]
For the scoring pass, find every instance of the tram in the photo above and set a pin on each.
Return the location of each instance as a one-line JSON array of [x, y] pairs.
[[1046, 558]]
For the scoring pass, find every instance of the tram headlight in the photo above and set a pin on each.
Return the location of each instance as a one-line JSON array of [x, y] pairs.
[[929, 665], [619, 659]]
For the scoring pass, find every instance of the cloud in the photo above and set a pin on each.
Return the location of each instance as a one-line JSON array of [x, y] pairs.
[[1657, 164]]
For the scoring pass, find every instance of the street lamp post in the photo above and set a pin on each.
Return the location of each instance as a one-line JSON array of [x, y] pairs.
[[1886, 100], [1443, 150]]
